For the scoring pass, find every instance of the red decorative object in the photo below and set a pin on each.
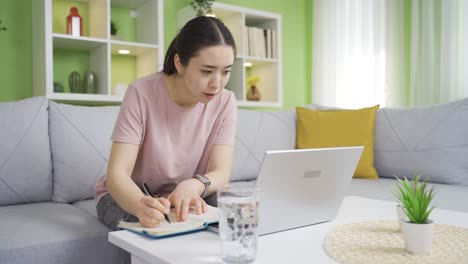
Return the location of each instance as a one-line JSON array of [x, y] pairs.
[[74, 23]]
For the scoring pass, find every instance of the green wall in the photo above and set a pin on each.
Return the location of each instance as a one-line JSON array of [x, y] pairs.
[[15, 45], [15, 50]]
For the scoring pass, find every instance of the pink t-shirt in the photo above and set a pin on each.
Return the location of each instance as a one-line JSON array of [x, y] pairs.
[[175, 142]]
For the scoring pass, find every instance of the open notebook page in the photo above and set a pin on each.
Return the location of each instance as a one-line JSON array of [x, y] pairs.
[[193, 221]]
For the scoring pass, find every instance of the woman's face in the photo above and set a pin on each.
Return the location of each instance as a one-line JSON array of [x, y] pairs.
[[208, 73]]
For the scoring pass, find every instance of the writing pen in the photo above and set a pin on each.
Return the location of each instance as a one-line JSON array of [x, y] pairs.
[[148, 192]]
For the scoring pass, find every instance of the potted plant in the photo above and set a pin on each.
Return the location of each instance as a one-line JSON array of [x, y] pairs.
[[113, 30], [202, 7], [415, 197]]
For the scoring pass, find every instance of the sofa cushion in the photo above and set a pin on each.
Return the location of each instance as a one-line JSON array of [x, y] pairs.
[[25, 164], [446, 196], [339, 128], [88, 206], [80, 140], [256, 133], [431, 140], [50, 232]]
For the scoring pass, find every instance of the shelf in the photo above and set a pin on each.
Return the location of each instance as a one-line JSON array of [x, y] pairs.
[[76, 43], [93, 13], [57, 54], [260, 21], [269, 77], [69, 60], [134, 48], [133, 4], [259, 59], [84, 97], [267, 59], [139, 62], [132, 19]]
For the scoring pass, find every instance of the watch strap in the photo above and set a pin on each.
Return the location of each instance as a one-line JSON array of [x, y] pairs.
[[203, 179]]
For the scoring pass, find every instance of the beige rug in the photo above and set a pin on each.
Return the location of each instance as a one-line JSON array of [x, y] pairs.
[[381, 242]]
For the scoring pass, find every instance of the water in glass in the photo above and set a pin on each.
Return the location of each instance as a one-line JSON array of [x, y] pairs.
[[238, 228]]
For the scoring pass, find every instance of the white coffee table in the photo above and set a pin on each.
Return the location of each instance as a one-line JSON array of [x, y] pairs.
[[301, 245]]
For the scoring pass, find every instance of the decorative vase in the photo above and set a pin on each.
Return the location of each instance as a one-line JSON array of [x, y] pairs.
[[74, 23], [253, 94], [74, 81], [418, 237], [90, 82], [58, 88]]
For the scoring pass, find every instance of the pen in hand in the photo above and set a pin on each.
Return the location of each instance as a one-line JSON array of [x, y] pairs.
[[147, 191]]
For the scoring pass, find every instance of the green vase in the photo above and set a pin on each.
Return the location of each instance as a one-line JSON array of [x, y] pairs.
[[90, 82], [74, 81], [58, 88]]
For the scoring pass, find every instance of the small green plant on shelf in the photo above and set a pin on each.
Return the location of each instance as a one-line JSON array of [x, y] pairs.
[[415, 196], [113, 28], [252, 80], [2, 28], [202, 7]]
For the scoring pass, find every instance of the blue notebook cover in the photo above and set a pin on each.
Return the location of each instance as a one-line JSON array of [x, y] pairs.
[[193, 223]]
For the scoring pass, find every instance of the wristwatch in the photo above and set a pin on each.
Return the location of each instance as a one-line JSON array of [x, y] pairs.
[[205, 181]]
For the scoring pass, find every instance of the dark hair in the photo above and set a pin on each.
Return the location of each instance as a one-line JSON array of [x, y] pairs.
[[198, 33]]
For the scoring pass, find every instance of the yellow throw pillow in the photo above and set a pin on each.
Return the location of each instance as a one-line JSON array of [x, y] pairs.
[[339, 128]]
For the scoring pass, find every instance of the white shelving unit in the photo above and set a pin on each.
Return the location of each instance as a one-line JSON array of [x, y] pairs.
[[268, 69], [52, 47]]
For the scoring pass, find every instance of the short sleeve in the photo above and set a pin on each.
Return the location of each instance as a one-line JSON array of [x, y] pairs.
[[129, 125], [227, 130]]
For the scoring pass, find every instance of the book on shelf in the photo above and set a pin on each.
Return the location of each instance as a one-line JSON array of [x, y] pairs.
[[193, 223], [274, 45], [250, 40], [268, 44], [261, 43]]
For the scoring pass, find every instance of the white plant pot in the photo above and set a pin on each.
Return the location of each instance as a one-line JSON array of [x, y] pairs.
[[401, 216], [418, 237]]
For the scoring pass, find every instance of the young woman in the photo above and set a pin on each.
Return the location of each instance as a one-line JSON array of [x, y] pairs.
[[175, 131]]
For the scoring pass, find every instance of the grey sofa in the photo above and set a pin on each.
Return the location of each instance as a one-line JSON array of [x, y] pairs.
[[52, 154]]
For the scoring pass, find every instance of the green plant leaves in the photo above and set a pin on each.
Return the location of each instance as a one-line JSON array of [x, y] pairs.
[[415, 197], [202, 7]]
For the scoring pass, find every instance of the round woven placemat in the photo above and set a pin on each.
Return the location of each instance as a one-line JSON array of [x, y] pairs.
[[381, 242]]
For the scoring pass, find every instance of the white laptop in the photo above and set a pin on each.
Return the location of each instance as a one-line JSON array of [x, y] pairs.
[[303, 187]]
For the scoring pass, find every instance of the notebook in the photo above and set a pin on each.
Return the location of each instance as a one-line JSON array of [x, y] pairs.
[[193, 223], [302, 187]]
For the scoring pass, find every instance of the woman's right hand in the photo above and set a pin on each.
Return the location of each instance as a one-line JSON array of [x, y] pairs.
[[151, 210]]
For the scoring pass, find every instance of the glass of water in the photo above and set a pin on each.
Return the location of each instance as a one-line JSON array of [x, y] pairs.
[[238, 204]]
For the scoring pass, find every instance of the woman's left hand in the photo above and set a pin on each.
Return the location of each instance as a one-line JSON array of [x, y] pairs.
[[187, 194]]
